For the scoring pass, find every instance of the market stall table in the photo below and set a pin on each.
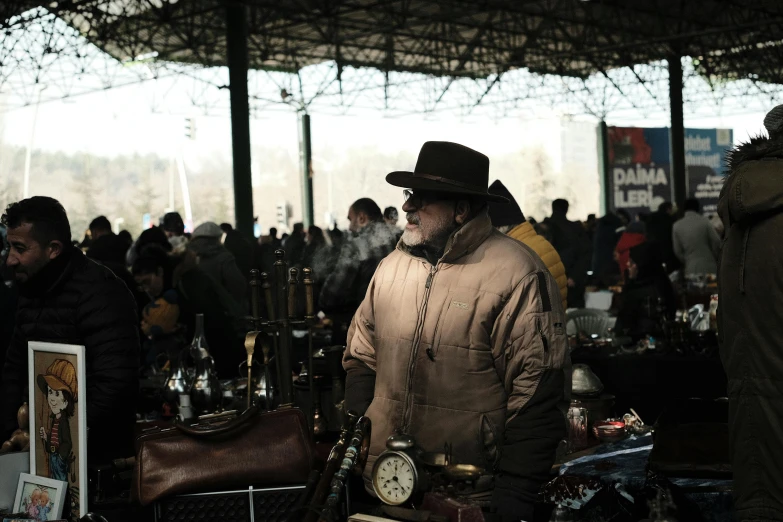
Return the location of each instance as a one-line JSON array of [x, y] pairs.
[[626, 462], [648, 382]]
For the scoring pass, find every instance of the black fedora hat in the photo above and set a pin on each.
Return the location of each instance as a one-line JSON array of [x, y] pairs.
[[448, 167]]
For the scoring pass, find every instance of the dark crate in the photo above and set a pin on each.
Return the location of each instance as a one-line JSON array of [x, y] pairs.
[[248, 505]]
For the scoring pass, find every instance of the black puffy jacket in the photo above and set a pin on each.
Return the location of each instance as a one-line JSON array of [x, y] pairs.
[[74, 300]]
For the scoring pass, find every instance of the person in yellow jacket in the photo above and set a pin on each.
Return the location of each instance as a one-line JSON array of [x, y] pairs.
[[509, 219]]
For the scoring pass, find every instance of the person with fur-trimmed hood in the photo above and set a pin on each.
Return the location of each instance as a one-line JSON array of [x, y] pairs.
[[750, 274]]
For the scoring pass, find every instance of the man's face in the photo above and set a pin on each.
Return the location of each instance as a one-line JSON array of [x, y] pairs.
[[430, 220], [27, 256], [358, 220], [57, 401], [151, 283]]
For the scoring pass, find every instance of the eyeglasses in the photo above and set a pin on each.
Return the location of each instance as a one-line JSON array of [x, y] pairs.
[[417, 200], [422, 198]]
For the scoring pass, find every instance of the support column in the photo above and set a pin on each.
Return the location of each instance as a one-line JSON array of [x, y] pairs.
[[677, 133], [306, 160], [238, 62], [605, 169]]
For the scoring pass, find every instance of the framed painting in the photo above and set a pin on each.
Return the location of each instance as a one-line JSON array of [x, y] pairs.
[[58, 419], [40, 498]]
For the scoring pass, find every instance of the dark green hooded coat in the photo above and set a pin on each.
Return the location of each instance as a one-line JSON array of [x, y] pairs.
[[751, 324]]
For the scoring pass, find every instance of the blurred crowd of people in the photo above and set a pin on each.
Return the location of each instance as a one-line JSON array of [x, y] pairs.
[[173, 275]]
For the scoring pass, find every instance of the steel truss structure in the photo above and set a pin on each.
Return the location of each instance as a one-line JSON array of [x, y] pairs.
[[599, 57]]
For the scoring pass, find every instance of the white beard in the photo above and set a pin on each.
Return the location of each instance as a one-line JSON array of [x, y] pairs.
[[430, 236], [412, 237]]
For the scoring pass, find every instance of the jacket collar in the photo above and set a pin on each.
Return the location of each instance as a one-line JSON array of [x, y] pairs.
[[53, 275], [462, 241]]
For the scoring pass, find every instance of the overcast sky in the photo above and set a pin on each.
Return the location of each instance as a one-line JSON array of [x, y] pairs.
[[122, 121]]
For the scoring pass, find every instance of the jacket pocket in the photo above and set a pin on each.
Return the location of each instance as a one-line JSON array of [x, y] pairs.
[[490, 440], [550, 340]]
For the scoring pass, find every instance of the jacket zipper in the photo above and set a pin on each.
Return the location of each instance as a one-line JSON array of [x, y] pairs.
[[414, 351], [544, 340]]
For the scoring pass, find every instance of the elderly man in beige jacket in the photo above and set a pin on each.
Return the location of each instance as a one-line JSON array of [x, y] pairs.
[[461, 336]]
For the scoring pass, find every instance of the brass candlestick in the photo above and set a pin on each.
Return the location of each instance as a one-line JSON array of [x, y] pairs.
[[280, 295]]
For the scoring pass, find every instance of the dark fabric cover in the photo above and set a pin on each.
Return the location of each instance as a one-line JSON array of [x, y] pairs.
[[504, 214], [74, 300], [750, 277]]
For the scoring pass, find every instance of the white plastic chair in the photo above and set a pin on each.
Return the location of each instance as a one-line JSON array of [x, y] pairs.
[[588, 321]]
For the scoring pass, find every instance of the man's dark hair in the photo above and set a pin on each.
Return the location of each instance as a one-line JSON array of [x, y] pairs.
[[369, 207], [273, 232], [46, 215], [665, 206], [692, 204], [299, 228], [151, 259], [172, 222], [126, 236], [154, 235], [560, 206], [100, 223], [226, 227], [391, 213]]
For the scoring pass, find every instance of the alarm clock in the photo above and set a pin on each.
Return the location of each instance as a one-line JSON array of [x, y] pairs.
[[396, 476]]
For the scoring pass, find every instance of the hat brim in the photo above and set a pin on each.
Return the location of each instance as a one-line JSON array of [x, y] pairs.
[[54, 383], [410, 180]]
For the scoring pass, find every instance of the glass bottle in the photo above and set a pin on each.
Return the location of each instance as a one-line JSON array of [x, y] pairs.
[[205, 393]]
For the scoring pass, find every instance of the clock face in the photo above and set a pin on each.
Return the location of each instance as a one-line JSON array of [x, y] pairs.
[[394, 478]]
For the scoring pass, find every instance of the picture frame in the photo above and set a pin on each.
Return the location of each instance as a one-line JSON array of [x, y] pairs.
[[58, 418], [40, 497]]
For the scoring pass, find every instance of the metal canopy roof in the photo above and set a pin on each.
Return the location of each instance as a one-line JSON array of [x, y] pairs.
[[456, 38], [405, 56]]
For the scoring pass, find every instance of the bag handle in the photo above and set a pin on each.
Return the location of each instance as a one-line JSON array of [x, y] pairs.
[[223, 429]]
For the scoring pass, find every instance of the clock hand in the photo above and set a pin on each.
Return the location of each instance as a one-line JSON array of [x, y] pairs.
[[401, 486]]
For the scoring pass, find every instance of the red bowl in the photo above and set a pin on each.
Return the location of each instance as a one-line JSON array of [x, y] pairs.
[[609, 431]]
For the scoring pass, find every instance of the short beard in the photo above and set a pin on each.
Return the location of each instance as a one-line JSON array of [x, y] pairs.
[[433, 236]]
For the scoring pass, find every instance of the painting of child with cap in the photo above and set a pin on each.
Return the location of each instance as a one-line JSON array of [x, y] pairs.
[[59, 384], [58, 420]]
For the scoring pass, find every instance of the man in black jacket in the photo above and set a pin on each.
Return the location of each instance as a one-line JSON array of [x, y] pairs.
[[346, 285], [572, 243], [66, 298]]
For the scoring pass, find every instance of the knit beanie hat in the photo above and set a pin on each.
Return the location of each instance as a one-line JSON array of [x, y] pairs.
[[504, 214], [172, 222], [773, 122]]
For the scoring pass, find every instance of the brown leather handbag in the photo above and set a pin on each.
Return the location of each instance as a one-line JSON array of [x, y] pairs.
[[254, 449]]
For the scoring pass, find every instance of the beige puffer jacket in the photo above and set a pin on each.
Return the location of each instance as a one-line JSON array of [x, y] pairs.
[[458, 348]]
